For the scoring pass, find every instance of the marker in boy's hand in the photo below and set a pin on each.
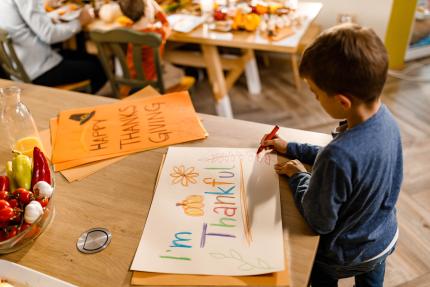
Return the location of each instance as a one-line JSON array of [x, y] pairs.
[[276, 143], [269, 136], [290, 167]]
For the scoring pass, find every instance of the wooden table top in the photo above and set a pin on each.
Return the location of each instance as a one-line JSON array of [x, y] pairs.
[[119, 196], [240, 39], [253, 40]]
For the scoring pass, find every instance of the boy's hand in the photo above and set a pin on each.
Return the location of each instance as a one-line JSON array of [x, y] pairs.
[[290, 168], [276, 143]]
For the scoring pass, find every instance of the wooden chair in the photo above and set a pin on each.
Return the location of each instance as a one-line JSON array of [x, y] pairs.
[[113, 44], [13, 67]]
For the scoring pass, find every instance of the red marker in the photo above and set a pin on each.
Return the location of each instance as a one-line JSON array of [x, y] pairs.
[[268, 137]]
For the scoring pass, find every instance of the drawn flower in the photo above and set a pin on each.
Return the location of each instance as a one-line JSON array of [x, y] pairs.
[[183, 176]]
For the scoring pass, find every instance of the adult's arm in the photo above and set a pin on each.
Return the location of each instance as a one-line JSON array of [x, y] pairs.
[[33, 13]]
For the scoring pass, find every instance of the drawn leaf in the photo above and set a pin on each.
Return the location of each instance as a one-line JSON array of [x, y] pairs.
[[246, 267], [217, 255], [263, 264], [236, 255]]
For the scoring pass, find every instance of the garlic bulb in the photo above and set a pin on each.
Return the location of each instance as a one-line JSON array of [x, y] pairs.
[[32, 212], [42, 189]]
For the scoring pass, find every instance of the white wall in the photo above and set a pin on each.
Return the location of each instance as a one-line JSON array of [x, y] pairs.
[[370, 13]]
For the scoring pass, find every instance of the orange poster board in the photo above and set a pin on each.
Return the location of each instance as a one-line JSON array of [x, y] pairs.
[[94, 133], [160, 279]]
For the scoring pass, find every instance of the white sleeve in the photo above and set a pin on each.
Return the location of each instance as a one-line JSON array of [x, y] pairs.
[[33, 13]]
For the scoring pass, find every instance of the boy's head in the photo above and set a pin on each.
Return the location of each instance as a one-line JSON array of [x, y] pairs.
[[133, 9], [346, 60]]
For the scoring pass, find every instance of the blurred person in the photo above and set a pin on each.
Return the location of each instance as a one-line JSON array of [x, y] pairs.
[[33, 32], [148, 16]]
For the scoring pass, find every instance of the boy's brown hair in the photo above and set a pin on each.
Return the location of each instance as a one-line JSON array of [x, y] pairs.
[[347, 59], [133, 9]]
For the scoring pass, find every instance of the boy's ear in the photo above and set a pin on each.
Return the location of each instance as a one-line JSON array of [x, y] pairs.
[[344, 101]]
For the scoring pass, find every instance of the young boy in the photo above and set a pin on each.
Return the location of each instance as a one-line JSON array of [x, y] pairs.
[[350, 196]]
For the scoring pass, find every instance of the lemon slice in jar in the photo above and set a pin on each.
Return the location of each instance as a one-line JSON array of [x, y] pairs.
[[27, 144]]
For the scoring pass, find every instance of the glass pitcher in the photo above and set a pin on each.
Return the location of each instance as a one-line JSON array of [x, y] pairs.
[[18, 130]]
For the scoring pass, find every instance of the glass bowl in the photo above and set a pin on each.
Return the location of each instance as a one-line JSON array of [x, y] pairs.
[[28, 235]]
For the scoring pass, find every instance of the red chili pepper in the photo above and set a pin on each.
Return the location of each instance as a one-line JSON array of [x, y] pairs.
[[41, 171], [4, 183]]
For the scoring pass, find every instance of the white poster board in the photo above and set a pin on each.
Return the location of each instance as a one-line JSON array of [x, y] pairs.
[[215, 211]]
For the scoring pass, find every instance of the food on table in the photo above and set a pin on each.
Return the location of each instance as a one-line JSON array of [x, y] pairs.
[[124, 21], [24, 193], [23, 196], [222, 26], [33, 211], [253, 15], [73, 7], [25, 145], [9, 174], [4, 183], [21, 170], [248, 22], [42, 189], [41, 170], [220, 15]]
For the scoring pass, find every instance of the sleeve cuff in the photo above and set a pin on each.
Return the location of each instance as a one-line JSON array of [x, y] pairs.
[[75, 26], [295, 180], [292, 150]]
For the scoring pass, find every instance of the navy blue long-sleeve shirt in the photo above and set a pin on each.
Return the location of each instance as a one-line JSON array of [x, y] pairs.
[[350, 196]]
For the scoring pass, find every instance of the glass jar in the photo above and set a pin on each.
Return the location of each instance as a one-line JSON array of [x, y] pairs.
[[17, 125], [18, 133]]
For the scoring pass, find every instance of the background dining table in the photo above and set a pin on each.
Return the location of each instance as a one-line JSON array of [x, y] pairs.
[[224, 70]]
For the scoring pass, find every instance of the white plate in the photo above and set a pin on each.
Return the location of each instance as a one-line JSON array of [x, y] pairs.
[[184, 23], [22, 276], [67, 16]]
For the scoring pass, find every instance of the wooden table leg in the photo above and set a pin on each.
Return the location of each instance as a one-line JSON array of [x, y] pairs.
[[252, 76], [217, 80], [295, 67]]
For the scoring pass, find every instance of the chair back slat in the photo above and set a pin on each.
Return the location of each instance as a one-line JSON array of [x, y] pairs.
[[159, 70], [119, 53], [104, 54], [9, 60], [118, 41], [137, 58]]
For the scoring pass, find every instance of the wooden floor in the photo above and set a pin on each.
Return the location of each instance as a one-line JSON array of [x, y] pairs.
[[409, 101]]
